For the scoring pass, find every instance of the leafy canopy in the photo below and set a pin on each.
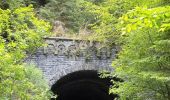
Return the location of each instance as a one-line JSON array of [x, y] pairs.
[[144, 62], [20, 33]]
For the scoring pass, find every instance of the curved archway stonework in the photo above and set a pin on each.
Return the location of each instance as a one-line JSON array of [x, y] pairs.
[[62, 56]]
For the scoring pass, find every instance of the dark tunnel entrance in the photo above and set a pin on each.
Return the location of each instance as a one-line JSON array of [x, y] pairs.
[[83, 85]]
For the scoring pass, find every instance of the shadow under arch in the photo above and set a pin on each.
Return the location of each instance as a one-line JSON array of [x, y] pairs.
[[83, 85]]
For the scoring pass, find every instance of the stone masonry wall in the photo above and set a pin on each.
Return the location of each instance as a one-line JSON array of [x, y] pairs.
[[62, 56]]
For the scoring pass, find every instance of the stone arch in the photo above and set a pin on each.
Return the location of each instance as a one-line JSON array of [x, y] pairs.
[[83, 85], [58, 72], [54, 67]]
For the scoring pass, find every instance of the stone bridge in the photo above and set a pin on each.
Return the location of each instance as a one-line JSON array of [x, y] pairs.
[[63, 56]]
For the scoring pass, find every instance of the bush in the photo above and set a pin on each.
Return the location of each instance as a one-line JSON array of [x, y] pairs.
[[20, 33]]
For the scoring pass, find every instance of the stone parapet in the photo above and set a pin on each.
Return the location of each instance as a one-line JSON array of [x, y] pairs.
[[61, 56]]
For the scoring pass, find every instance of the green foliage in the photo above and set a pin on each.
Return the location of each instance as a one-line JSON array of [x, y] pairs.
[[95, 15], [144, 62], [20, 33], [13, 4], [22, 30], [141, 27], [109, 11], [102, 21], [71, 12]]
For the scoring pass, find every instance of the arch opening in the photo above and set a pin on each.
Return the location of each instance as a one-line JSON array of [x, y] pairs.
[[83, 85]]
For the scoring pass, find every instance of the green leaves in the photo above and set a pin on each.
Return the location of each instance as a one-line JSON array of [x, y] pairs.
[[67, 11], [20, 32], [144, 60], [139, 18]]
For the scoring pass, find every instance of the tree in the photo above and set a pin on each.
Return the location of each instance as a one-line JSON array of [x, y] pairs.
[[143, 35], [144, 62], [20, 34], [71, 12], [105, 27], [13, 4]]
